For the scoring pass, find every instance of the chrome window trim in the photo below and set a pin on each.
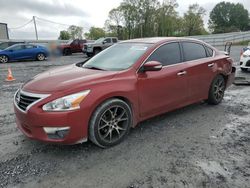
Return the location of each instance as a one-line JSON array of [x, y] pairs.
[[41, 96], [174, 41]]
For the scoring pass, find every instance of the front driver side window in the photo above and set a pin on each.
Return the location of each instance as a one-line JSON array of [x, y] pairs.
[[19, 47], [167, 54], [108, 40]]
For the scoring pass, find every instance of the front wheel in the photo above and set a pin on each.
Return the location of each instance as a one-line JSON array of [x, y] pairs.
[[4, 59], [110, 123], [97, 51], [217, 90], [40, 57]]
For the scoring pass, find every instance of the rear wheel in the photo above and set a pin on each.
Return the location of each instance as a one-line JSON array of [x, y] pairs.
[[4, 59], [217, 90], [110, 123], [244, 69], [40, 57], [67, 51]]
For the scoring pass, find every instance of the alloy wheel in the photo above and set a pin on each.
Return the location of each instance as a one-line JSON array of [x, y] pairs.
[[40, 57], [219, 88], [113, 124], [4, 59]]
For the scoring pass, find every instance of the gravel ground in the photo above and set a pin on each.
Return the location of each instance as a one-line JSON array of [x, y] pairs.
[[196, 146]]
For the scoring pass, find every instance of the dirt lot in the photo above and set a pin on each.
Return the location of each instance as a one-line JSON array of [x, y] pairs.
[[197, 146]]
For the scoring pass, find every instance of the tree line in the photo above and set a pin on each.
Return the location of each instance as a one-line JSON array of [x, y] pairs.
[[150, 18]]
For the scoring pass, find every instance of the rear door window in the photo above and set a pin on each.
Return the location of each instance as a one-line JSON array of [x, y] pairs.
[[114, 40], [193, 51], [167, 54]]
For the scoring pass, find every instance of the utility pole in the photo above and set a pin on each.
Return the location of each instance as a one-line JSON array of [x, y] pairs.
[[34, 20]]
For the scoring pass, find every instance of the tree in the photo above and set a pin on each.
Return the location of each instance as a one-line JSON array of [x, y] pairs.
[[193, 20], [113, 23], [75, 32], [95, 33], [168, 19], [228, 17], [64, 35]]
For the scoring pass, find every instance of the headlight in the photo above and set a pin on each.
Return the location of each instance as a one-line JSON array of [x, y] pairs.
[[70, 102]]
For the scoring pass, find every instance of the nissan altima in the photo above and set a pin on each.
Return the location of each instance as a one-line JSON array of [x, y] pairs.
[[134, 80]]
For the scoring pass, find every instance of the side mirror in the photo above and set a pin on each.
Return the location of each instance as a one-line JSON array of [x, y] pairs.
[[151, 66], [104, 42]]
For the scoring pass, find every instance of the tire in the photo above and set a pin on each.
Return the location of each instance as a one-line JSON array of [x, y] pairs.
[[110, 123], [67, 51], [244, 69], [89, 55], [217, 90], [40, 57], [97, 51], [4, 59]]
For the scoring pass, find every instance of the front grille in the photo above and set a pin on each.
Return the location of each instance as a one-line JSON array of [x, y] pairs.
[[248, 64], [24, 100]]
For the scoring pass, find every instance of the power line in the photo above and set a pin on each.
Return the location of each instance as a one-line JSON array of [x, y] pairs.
[[53, 22], [19, 27], [42, 19]]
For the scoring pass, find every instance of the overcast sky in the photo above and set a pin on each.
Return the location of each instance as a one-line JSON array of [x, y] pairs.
[[83, 13]]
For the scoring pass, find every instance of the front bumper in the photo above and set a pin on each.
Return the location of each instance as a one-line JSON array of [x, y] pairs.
[[245, 62], [32, 124]]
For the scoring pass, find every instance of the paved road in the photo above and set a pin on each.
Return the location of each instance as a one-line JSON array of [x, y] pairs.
[[197, 146]]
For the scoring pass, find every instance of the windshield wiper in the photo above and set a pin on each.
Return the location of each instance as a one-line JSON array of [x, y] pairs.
[[93, 67]]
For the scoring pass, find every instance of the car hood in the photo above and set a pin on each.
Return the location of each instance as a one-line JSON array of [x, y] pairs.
[[247, 52], [65, 78]]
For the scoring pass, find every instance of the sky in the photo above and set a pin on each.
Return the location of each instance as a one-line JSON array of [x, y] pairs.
[[84, 13]]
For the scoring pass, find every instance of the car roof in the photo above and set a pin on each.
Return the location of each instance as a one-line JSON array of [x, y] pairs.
[[155, 40]]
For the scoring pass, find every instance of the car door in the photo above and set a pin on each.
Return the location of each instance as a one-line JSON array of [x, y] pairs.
[[74, 46], [16, 52], [30, 51], [163, 90], [200, 69], [107, 43]]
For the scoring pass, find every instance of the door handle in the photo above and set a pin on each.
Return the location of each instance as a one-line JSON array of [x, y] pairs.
[[211, 65], [182, 73]]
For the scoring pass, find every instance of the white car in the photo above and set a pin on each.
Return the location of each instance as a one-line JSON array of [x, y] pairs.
[[245, 59]]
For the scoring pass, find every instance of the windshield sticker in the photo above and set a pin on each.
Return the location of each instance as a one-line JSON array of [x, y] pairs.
[[139, 48]]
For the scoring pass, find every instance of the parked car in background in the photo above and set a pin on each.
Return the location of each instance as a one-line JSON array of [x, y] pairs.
[[5, 45], [73, 46], [134, 80], [94, 48], [245, 58], [245, 61], [23, 52]]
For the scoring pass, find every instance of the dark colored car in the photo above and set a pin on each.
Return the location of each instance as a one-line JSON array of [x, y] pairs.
[[73, 46], [129, 82], [5, 45], [23, 52]]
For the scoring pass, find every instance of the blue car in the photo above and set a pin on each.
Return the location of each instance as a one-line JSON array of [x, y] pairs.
[[23, 52]]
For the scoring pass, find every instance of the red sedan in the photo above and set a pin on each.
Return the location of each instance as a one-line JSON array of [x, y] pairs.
[[101, 99]]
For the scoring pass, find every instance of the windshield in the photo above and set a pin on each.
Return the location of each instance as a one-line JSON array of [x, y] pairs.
[[69, 42], [99, 40], [118, 57]]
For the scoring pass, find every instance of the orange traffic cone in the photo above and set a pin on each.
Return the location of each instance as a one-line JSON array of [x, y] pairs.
[[10, 76]]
